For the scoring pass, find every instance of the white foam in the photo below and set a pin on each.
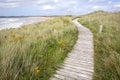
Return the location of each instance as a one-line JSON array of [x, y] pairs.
[[6, 23]]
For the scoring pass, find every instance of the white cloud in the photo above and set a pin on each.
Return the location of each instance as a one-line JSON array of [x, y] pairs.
[[73, 9], [64, 6], [117, 5], [56, 1], [47, 7], [67, 4], [8, 5], [99, 7], [96, 7], [96, 0]]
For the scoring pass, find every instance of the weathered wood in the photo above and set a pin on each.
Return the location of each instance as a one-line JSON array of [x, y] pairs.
[[79, 63], [100, 28]]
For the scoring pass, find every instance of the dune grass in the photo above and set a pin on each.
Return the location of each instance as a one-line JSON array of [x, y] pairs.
[[33, 52], [106, 44]]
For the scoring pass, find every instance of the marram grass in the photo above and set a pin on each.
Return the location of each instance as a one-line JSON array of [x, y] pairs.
[[106, 44], [35, 51]]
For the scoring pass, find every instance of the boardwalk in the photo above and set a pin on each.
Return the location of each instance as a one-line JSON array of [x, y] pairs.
[[79, 63]]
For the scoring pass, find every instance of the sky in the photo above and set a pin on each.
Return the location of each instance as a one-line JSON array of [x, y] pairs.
[[55, 7]]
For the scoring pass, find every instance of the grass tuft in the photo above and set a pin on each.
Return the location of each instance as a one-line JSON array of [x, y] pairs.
[[106, 44], [35, 51]]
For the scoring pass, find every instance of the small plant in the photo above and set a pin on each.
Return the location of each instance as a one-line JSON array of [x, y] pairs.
[[37, 70], [19, 38], [12, 35], [61, 42]]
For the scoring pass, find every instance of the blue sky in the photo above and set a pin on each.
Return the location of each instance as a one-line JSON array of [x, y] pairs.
[[55, 7]]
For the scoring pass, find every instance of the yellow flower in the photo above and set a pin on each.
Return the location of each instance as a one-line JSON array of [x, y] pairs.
[[61, 42], [37, 68], [19, 38], [37, 71], [12, 35]]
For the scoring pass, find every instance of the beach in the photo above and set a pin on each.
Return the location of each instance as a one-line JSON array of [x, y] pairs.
[[6, 23]]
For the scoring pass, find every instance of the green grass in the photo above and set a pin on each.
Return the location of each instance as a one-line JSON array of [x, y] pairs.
[[106, 44], [35, 51]]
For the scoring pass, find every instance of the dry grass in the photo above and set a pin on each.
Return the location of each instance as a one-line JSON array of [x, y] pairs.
[[34, 52], [107, 43]]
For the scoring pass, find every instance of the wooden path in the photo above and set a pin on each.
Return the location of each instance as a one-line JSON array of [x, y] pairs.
[[79, 63]]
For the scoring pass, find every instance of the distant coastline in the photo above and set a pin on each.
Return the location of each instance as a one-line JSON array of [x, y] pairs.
[[35, 16], [7, 22], [13, 16], [21, 16]]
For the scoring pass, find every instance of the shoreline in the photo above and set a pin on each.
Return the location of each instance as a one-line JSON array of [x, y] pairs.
[[22, 21]]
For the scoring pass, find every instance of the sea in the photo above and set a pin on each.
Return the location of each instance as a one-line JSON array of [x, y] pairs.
[[6, 23]]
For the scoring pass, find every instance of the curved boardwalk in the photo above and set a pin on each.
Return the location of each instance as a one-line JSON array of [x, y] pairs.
[[79, 63]]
